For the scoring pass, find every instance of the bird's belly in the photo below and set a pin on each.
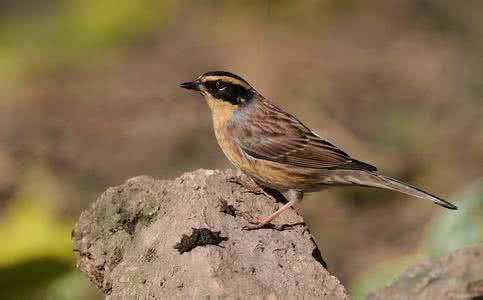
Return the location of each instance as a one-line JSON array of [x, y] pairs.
[[271, 174], [284, 177]]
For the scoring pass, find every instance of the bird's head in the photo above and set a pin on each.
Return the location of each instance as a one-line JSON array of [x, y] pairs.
[[222, 89]]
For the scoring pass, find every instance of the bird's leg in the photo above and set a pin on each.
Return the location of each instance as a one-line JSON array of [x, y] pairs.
[[293, 196]]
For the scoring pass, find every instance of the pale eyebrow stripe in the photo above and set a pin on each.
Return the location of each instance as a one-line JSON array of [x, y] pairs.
[[227, 79]]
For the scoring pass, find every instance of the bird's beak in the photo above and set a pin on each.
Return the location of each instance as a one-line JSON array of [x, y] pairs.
[[191, 85]]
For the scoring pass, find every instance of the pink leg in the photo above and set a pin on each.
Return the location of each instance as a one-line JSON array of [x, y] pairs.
[[294, 196], [269, 219]]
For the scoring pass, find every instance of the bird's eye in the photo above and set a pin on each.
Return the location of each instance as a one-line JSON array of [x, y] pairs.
[[220, 85]]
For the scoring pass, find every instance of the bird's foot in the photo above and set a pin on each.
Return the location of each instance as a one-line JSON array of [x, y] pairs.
[[254, 225], [257, 225], [248, 183], [264, 224]]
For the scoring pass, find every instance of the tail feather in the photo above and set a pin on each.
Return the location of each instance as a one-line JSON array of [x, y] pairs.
[[371, 179]]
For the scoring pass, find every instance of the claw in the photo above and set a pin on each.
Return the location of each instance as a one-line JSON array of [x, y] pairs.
[[253, 227], [282, 227]]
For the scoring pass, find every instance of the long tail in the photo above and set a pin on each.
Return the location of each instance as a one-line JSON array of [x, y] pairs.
[[371, 179]]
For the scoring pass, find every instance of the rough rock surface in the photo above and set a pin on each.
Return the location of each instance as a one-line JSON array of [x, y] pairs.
[[152, 239], [458, 275]]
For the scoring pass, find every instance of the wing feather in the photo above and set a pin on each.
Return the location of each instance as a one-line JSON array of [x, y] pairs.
[[269, 133]]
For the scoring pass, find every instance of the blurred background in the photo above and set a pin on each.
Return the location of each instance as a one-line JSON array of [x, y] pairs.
[[89, 97]]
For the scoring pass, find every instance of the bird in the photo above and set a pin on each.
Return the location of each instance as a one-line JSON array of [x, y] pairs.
[[277, 151]]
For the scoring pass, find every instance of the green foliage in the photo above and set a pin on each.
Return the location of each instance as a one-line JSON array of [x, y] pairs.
[[31, 219], [36, 247], [74, 31]]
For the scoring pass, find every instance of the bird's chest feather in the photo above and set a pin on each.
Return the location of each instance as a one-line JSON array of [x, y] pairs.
[[223, 126]]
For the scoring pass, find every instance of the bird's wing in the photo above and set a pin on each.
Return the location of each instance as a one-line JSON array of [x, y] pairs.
[[274, 135]]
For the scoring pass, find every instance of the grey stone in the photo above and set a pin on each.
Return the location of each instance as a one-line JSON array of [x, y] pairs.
[[128, 243], [457, 275]]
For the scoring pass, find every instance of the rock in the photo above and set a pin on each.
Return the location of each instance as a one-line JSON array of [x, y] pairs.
[[152, 239], [458, 275]]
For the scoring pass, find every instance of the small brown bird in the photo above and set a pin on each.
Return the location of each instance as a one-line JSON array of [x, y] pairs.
[[277, 151]]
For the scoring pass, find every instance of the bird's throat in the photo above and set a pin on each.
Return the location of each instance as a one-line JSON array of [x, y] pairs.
[[221, 111]]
